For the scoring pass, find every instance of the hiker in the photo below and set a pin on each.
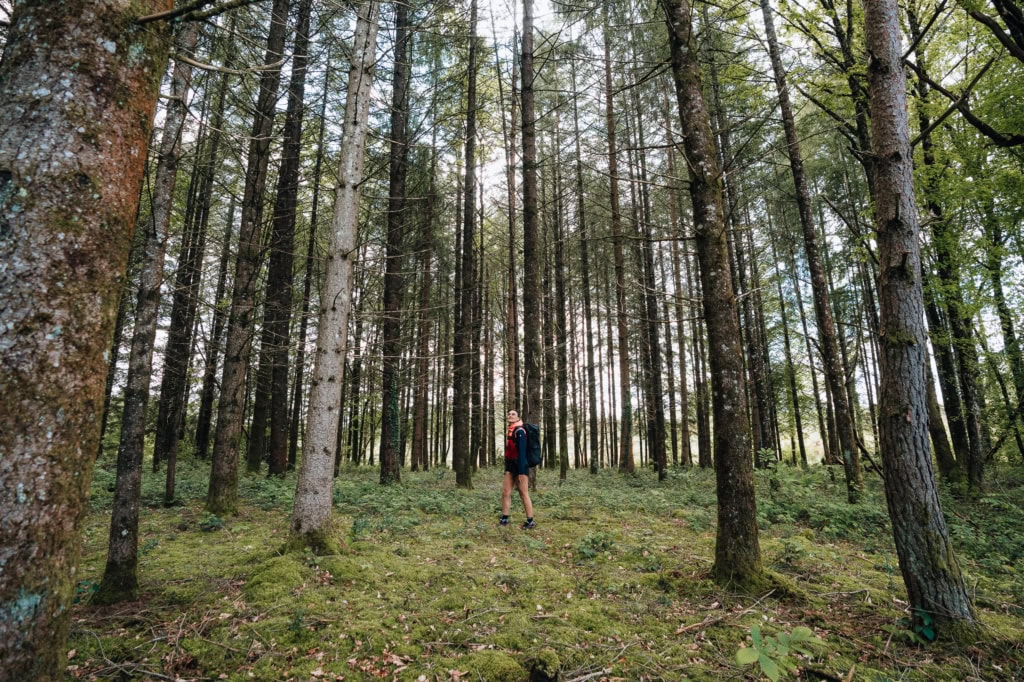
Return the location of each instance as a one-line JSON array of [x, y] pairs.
[[517, 470]]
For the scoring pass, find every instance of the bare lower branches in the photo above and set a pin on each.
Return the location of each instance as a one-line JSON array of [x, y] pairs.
[[193, 11]]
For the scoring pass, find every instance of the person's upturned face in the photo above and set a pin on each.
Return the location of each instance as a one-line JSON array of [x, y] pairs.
[[513, 416]]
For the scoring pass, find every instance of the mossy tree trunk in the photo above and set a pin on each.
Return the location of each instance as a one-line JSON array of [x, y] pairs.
[[311, 514], [75, 121], [737, 551], [930, 571]]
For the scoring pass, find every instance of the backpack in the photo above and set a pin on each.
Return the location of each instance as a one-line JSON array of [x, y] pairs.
[[533, 451]]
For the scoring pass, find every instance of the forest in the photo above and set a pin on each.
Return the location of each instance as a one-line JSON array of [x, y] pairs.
[[273, 273]]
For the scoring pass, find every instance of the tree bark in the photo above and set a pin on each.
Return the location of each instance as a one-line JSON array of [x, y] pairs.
[[120, 579], [216, 342], [561, 322], [461, 364], [582, 225], [391, 321], [930, 571], [311, 514], [675, 217], [278, 301], [626, 461], [656, 408], [533, 352], [307, 285], [737, 552], [69, 191], [420, 441], [222, 496]]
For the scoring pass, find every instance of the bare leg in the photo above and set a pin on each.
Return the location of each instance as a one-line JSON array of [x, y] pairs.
[[506, 494], [523, 483]]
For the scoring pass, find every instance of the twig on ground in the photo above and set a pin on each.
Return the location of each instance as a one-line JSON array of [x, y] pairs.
[[589, 676]]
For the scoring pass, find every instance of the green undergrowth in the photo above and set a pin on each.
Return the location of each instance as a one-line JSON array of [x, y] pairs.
[[614, 583]]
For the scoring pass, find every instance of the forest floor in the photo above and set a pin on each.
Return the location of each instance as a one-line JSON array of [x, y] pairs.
[[612, 584]]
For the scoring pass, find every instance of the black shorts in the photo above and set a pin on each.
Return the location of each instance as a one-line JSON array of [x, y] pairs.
[[512, 467]]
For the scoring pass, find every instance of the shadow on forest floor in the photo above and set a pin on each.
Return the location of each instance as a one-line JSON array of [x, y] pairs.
[[612, 584]]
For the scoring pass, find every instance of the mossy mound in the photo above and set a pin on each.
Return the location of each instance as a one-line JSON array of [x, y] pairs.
[[494, 666], [274, 579], [545, 666]]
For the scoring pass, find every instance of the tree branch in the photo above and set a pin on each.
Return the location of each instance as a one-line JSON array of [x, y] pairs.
[[960, 103], [191, 11], [924, 31], [999, 33], [224, 69]]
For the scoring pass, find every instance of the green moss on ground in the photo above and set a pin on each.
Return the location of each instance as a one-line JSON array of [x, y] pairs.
[[615, 578]]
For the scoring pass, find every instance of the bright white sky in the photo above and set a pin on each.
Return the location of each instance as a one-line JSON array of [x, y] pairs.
[[504, 11]]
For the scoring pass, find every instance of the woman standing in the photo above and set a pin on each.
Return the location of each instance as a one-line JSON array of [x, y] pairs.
[[517, 470]]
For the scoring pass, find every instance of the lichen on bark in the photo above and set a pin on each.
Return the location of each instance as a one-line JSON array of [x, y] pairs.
[[72, 149]]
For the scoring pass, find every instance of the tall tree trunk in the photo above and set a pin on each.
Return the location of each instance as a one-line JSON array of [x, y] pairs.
[[670, 364], [311, 514], [59, 288], [177, 353], [213, 348], [533, 352], [581, 221], [307, 284], [757, 397], [705, 456], [656, 410], [184, 309], [513, 394], [945, 362], [994, 268], [475, 392], [420, 441], [124, 303], [461, 364], [794, 394], [819, 286], [391, 321], [549, 443], [215, 342], [826, 455], [612, 400], [626, 462], [222, 495], [675, 217], [354, 380], [561, 319], [931, 573], [120, 579], [278, 301], [737, 552]]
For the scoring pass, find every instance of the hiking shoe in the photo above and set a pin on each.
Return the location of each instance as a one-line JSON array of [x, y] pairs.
[[503, 522], [528, 525]]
